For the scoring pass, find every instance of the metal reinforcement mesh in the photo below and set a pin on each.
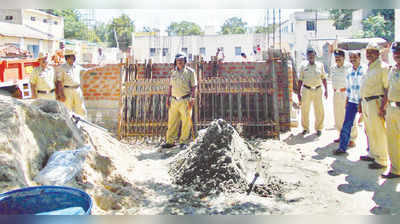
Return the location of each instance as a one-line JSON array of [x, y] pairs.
[[252, 96]]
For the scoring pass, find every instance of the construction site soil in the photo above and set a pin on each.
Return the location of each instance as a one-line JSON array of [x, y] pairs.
[[295, 175]]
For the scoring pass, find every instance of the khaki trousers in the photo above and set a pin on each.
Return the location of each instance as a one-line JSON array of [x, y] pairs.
[[376, 131], [74, 101], [339, 111], [49, 96], [179, 111], [393, 137], [309, 96]]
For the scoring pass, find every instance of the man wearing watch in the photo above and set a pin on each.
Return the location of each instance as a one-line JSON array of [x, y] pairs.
[[180, 100]]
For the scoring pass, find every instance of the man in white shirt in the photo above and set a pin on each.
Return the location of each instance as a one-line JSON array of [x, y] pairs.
[[338, 74]]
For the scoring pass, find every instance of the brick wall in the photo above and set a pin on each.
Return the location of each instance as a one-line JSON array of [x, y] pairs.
[[101, 87], [101, 90]]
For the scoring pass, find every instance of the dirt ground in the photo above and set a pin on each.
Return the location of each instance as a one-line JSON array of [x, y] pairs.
[[324, 183], [134, 178]]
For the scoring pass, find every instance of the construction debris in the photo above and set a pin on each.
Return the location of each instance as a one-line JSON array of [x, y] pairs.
[[218, 162], [32, 130]]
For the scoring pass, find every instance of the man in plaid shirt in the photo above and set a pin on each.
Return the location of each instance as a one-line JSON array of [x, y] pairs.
[[353, 82]]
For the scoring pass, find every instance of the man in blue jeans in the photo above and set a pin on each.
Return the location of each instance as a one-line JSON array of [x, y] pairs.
[[353, 82]]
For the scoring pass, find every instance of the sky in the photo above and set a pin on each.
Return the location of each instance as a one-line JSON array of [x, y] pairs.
[[161, 18]]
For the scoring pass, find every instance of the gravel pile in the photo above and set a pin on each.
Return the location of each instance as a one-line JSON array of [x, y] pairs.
[[218, 162]]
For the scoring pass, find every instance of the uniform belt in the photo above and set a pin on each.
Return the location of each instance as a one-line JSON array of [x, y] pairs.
[[395, 104], [309, 87], [182, 97], [45, 91], [340, 90], [72, 87], [372, 98]]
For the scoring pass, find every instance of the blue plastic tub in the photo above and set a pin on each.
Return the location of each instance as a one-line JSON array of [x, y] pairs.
[[45, 200]]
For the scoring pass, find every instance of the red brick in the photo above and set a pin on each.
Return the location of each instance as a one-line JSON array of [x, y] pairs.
[[97, 94], [106, 94], [92, 90]]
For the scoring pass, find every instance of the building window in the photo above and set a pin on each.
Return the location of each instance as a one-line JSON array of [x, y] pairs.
[[55, 23], [152, 51], [9, 18], [185, 50], [203, 51], [33, 18], [238, 51], [34, 49], [164, 51], [45, 21], [291, 27], [310, 25]]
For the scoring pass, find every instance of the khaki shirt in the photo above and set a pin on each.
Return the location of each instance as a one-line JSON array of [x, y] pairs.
[[394, 85], [44, 79], [339, 76], [70, 75], [312, 75], [182, 82], [375, 79]]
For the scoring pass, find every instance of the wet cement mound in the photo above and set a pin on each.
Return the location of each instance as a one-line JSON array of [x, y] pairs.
[[218, 161]]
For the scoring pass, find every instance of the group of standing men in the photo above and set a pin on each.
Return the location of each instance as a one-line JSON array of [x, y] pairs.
[[372, 90], [61, 82]]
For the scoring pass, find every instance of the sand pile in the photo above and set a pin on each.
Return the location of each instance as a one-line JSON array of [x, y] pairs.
[[31, 130], [218, 162]]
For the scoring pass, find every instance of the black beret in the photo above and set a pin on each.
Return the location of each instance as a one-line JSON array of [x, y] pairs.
[[338, 52], [396, 47]]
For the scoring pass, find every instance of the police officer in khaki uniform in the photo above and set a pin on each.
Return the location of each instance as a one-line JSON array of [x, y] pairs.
[[43, 80], [68, 83], [393, 115], [338, 74], [374, 84], [182, 93], [312, 75]]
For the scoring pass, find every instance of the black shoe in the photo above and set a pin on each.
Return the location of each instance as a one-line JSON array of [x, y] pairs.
[[167, 145], [319, 133], [376, 166], [304, 132], [390, 175], [339, 152], [183, 145], [367, 158]]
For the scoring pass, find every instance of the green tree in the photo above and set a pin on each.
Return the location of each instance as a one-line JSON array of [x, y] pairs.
[[376, 26], [101, 32], [263, 29], [184, 28], [122, 27], [234, 25], [74, 28], [342, 17]]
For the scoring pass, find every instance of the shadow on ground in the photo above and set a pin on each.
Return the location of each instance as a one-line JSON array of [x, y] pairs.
[[300, 139], [360, 178]]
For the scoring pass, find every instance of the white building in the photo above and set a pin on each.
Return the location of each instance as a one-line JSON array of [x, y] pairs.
[[163, 48], [297, 33], [303, 29], [31, 29]]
